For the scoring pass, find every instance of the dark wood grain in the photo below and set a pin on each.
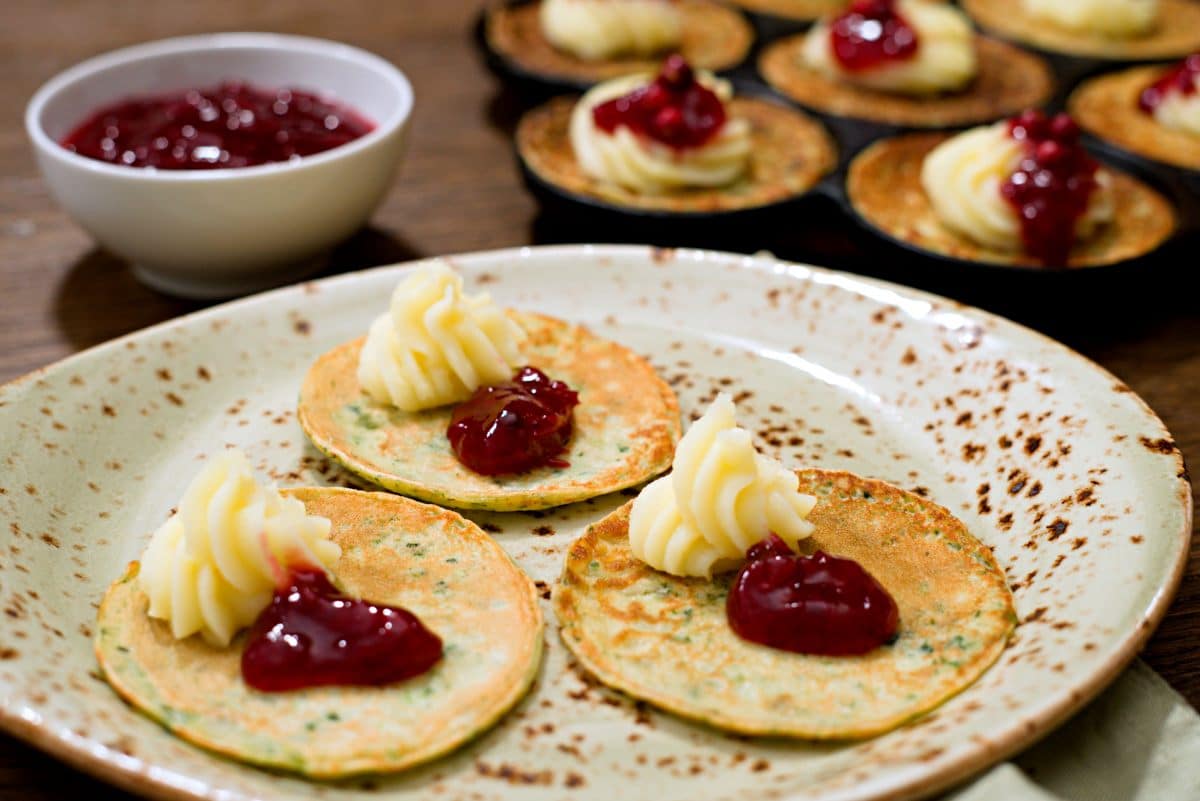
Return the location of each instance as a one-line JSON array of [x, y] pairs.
[[460, 191]]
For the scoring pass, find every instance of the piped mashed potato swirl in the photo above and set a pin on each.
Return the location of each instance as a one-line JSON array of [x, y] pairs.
[[721, 498], [1179, 111], [945, 59], [642, 165], [212, 567], [962, 179], [436, 344], [596, 30], [1118, 19]]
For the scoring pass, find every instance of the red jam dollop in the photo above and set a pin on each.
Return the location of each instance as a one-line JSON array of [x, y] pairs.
[[1180, 79], [1052, 185], [871, 33], [231, 125], [515, 426], [817, 604], [313, 635], [675, 110]]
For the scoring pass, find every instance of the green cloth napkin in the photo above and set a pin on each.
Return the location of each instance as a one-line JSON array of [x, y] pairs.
[[1139, 741]]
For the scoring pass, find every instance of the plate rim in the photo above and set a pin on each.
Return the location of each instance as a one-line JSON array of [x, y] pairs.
[[103, 763]]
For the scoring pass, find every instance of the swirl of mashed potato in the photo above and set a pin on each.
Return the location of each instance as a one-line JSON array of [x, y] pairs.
[[436, 345], [962, 178], [1180, 111], [1118, 19], [642, 165], [213, 566], [945, 59], [597, 30], [721, 498]]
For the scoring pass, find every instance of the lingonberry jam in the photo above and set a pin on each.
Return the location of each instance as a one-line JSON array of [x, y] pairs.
[[817, 604], [871, 33], [675, 110], [312, 635], [1179, 79], [231, 125], [1052, 185], [514, 426]]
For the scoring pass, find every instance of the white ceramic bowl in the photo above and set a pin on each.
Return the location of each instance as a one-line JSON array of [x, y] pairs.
[[214, 233]]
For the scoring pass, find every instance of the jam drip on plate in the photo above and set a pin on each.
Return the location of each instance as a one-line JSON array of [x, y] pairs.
[[231, 125], [1051, 186], [675, 110], [817, 604], [515, 426], [1179, 79], [312, 635], [871, 33]]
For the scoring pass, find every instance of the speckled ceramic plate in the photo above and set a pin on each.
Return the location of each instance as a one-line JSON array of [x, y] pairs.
[[1048, 459]]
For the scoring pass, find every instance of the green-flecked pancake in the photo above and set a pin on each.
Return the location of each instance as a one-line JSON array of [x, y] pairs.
[[1009, 81], [803, 10], [715, 38], [791, 152], [884, 187], [666, 639], [1107, 108], [1176, 34], [431, 561], [624, 432]]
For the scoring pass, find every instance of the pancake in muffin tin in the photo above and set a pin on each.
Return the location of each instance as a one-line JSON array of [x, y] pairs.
[[1107, 108], [1009, 80], [715, 38], [1177, 34], [624, 432], [666, 639], [801, 10], [884, 189], [440, 566], [791, 153]]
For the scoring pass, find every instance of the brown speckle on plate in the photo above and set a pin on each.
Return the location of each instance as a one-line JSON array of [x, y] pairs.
[[1057, 528], [514, 775]]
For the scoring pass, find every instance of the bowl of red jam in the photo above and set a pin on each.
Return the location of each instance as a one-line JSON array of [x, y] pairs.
[[222, 164]]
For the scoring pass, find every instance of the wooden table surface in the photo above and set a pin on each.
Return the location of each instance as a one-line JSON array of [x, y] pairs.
[[460, 191]]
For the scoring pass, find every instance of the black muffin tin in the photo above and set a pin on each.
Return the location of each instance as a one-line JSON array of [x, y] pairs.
[[1180, 186]]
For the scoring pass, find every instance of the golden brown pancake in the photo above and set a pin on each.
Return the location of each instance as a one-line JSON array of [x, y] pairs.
[[1177, 34], [791, 153], [715, 38], [435, 563], [884, 187], [666, 639], [803, 10], [1009, 80], [625, 426], [1107, 107]]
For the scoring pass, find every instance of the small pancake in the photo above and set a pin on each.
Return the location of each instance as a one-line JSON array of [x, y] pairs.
[[802, 10], [625, 426], [435, 563], [1009, 80], [715, 38], [1107, 108], [884, 187], [667, 640], [791, 153], [1177, 34]]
